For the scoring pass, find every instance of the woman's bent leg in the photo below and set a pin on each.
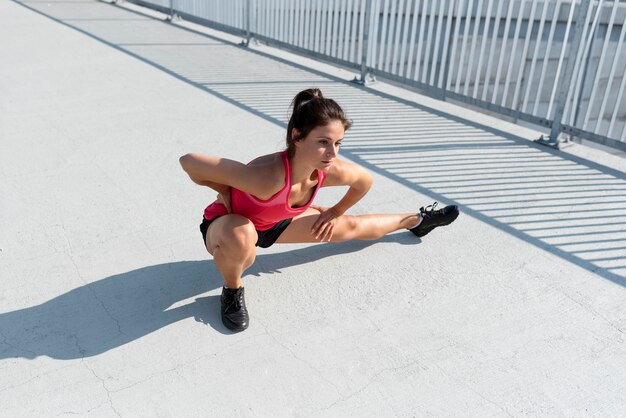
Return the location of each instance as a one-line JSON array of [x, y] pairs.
[[348, 227], [231, 240]]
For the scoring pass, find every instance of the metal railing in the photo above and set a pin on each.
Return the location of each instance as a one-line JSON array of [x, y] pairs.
[[559, 64]]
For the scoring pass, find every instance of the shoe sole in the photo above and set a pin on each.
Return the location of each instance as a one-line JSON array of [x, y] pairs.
[[426, 231], [234, 327]]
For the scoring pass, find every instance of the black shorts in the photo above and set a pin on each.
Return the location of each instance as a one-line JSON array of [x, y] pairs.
[[266, 238]]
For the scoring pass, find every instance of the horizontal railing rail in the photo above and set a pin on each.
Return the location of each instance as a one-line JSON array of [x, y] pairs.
[[560, 64]]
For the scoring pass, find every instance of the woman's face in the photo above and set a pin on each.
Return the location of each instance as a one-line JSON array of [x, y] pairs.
[[321, 146]]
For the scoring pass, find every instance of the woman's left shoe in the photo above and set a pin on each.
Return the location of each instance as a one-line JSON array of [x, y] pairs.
[[432, 218], [234, 312]]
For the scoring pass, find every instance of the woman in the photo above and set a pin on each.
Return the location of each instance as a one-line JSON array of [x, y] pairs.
[[269, 199]]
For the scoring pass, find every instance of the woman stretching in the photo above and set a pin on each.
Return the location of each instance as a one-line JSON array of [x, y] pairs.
[[270, 199]]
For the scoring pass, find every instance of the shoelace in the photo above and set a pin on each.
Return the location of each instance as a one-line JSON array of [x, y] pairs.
[[236, 299], [427, 211]]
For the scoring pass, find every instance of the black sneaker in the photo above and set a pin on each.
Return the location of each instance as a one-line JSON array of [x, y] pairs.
[[234, 312], [432, 218]]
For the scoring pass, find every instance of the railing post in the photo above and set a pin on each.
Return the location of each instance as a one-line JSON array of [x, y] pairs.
[[565, 81], [366, 78], [172, 16], [249, 36]]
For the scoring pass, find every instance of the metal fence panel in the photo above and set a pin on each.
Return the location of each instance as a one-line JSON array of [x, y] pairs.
[[507, 56]]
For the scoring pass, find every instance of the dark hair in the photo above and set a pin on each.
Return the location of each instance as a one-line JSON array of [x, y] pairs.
[[310, 110]]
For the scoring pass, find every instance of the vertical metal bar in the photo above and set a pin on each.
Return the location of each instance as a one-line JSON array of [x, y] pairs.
[[341, 37], [329, 26], [295, 19], [295, 22], [405, 32], [436, 45], [367, 14], [565, 81], [581, 74], [318, 24], [461, 65], [284, 20], [529, 33], [373, 17], [323, 24], [383, 38], [290, 18], [248, 12], [278, 24], [414, 20], [300, 27], [353, 37], [600, 67], [269, 10], [347, 40], [420, 42], [392, 27], [306, 23], [570, 20], [335, 30], [546, 58], [396, 40], [503, 49], [332, 30], [429, 44], [470, 64], [455, 36], [542, 21], [518, 27], [618, 102], [482, 51], [443, 80]]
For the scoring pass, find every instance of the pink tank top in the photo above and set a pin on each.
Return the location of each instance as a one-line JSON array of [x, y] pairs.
[[264, 214]]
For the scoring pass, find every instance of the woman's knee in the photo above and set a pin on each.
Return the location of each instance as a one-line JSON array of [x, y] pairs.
[[237, 234]]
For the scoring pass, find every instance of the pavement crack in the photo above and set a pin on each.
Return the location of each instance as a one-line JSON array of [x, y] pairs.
[[474, 391], [82, 352], [319, 373], [5, 341], [365, 386], [93, 292], [103, 386]]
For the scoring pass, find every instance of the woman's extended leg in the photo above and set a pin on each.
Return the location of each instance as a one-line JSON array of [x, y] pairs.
[[348, 227], [231, 240]]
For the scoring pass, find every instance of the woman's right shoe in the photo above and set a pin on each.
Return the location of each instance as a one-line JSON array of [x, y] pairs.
[[234, 312], [432, 218]]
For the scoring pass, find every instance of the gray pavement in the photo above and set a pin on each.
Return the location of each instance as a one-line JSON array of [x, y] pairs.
[[109, 305]]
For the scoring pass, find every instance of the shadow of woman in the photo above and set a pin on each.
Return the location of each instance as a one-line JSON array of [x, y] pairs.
[[111, 312]]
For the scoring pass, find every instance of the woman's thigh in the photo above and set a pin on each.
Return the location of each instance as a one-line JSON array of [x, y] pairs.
[[227, 227], [299, 230]]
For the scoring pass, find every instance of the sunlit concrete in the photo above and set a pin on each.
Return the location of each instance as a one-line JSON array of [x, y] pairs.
[[109, 304]]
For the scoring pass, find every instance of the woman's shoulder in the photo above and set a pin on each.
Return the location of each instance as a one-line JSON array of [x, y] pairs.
[[271, 168], [268, 161]]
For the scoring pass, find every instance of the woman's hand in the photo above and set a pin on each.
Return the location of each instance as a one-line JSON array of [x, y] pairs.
[[325, 223], [224, 199]]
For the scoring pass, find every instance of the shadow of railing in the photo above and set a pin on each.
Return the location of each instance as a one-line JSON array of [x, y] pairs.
[[566, 205]]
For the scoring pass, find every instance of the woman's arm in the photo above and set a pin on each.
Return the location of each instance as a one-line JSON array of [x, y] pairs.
[[221, 173], [343, 173]]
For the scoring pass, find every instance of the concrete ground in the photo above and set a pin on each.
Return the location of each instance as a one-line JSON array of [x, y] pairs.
[[109, 304]]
